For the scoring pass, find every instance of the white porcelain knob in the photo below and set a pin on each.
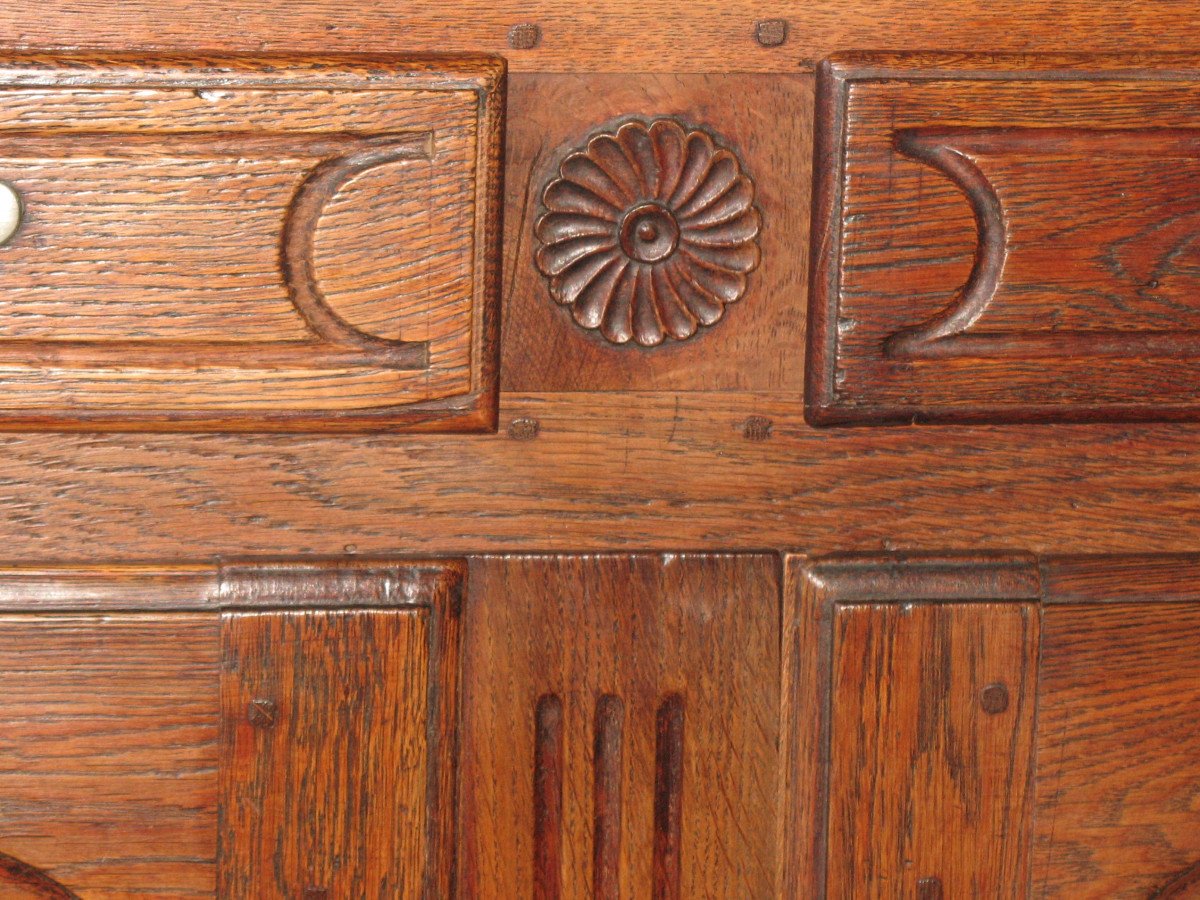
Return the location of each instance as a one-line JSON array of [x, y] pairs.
[[10, 212]]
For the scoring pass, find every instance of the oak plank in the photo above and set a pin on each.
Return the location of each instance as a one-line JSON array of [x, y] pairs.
[[212, 243], [1005, 238], [609, 35], [1117, 782], [325, 757], [109, 743], [931, 749], [622, 471], [759, 340]]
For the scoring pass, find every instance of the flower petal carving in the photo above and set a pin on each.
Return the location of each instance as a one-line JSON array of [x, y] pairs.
[[648, 232]]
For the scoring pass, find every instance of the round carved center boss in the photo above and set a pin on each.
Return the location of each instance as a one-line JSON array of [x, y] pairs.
[[649, 233]]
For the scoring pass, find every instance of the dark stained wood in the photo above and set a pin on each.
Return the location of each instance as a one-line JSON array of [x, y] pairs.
[[908, 718], [665, 671], [325, 757], [281, 243], [927, 780], [757, 340], [116, 774], [648, 725], [1122, 578], [1117, 750], [108, 742], [21, 880], [1005, 238], [607, 775], [668, 798], [609, 35], [548, 798]]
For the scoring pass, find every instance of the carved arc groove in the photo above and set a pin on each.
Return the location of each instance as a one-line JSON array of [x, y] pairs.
[[32, 881], [1183, 884], [929, 146], [296, 256]]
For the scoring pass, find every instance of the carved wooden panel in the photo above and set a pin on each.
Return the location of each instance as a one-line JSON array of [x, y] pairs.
[[277, 730], [714, 300], [910, 697], [250, 244], [648, 232], [620, 727], [1006, 238]]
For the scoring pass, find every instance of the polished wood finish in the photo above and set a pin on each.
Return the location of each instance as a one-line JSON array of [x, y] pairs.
[[192, 750], [279, 243], [1118, 743], [108, 731], [642, 713], [753, 341], [991, 725], [614, 36], [1004, 239], [638, 757], [608, 471], [931, 749], [901, 675], [324, 711]]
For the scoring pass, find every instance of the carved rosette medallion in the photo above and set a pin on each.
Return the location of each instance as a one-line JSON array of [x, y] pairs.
[[648, 232]]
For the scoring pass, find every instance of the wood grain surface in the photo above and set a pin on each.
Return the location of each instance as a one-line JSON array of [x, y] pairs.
[[324, 754], [619, 467], [910, 686], [284, 243], [620, 731], [552, 115], [605, 471], [609, 35], [1118, 788], [145, 759], [931, 750], [1005, 239], [108, 735]]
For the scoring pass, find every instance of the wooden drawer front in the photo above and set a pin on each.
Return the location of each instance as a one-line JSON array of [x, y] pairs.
[[288, 243], [1006, 238], [265, 733]]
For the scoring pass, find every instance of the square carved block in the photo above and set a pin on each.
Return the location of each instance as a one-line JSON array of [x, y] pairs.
[[1006, 238], [249, 244]]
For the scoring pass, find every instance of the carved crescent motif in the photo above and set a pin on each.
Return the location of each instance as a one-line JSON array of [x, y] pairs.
[[32, 882], [343, 156], [296, 252], [929, 146]]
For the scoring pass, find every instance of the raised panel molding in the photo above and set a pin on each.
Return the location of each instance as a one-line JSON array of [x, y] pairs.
[[1005, 238], [250, 244], [910, 686], [991, 725], [259, 730]]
